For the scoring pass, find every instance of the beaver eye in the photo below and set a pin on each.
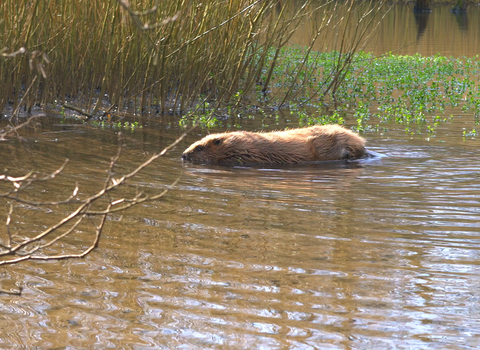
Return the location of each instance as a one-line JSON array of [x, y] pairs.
[[199, 148], [216, 142]]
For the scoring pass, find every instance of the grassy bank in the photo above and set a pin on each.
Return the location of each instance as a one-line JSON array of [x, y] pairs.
[[172, 57], [163, 56], [415, 91]]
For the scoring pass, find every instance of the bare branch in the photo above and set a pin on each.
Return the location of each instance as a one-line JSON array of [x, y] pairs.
[[137, 14], [78, 110], [14, 129], [23, 182], [33, 247], [12, 292]]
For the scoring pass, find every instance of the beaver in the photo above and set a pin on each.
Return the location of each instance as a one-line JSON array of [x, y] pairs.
[[292, 146]]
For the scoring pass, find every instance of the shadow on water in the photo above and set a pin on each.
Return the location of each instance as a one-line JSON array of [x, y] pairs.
[[406, 33], [421, 20], [462, 20]]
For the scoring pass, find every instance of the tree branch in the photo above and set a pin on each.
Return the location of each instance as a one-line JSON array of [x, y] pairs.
[[33, 247]]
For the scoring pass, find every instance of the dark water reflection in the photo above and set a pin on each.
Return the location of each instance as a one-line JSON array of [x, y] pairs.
[[404, 32], [376, 254]]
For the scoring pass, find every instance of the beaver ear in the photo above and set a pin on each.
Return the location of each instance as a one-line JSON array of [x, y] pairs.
[[217, 142]]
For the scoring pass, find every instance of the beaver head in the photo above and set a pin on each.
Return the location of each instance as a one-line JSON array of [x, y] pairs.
[[210, 149]]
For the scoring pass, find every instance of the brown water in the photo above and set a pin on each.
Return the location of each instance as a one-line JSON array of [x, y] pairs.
[[380, 254], [375, 254], [403, 32]]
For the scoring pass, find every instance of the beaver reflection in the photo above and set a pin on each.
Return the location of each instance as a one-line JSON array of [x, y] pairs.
[[296, 146]]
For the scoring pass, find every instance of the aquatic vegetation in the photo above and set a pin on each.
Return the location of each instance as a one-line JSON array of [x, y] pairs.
[[119, 125], [415, 91], [155, 56], [409, 90], [162, 61]]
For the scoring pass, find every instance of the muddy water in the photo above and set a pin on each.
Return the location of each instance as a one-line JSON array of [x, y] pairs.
[[374, 254], [369, 255], [403, 32]]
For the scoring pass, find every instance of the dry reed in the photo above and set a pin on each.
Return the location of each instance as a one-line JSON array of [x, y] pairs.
[[165, 55]]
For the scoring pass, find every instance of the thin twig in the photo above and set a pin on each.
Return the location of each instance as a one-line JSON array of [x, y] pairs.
[[78, 110], [14, 129], [31, 248], [15, 112], [12, 292]]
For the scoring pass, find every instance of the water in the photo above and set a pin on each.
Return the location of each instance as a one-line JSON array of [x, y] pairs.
[[377, 254], [403, 32], [373, 254]]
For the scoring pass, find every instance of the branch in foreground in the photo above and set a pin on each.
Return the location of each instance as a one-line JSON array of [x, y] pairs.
[[14, 249], [13, 129]]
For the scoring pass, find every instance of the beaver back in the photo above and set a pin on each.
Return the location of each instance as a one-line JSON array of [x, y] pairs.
[[316, 143]]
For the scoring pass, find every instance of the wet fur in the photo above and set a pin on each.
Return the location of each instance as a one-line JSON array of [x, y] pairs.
[[316, 143]]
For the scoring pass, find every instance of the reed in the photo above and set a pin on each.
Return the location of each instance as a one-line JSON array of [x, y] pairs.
[[161, 56]]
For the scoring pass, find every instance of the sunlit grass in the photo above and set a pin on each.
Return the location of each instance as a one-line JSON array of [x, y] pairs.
[[412, 89], [409, 90]]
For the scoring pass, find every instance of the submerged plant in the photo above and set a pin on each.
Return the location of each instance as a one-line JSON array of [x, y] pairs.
[[402, 89]]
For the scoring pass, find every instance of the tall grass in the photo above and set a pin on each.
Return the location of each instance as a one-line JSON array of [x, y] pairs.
[[169, 54]]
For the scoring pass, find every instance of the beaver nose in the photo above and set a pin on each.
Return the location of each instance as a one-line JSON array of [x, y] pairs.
[[184, 156]]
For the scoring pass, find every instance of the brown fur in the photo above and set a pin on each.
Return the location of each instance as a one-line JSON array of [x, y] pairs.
[[316, 143]]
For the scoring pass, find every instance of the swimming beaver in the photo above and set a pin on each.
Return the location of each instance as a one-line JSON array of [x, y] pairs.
[[316, 143]]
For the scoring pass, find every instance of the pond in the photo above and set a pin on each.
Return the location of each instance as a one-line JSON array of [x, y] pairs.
[[373, 254], [403, 32]]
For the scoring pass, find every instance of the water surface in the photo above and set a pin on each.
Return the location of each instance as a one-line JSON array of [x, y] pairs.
[[377, 254], [371, 254], [403, 32]]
